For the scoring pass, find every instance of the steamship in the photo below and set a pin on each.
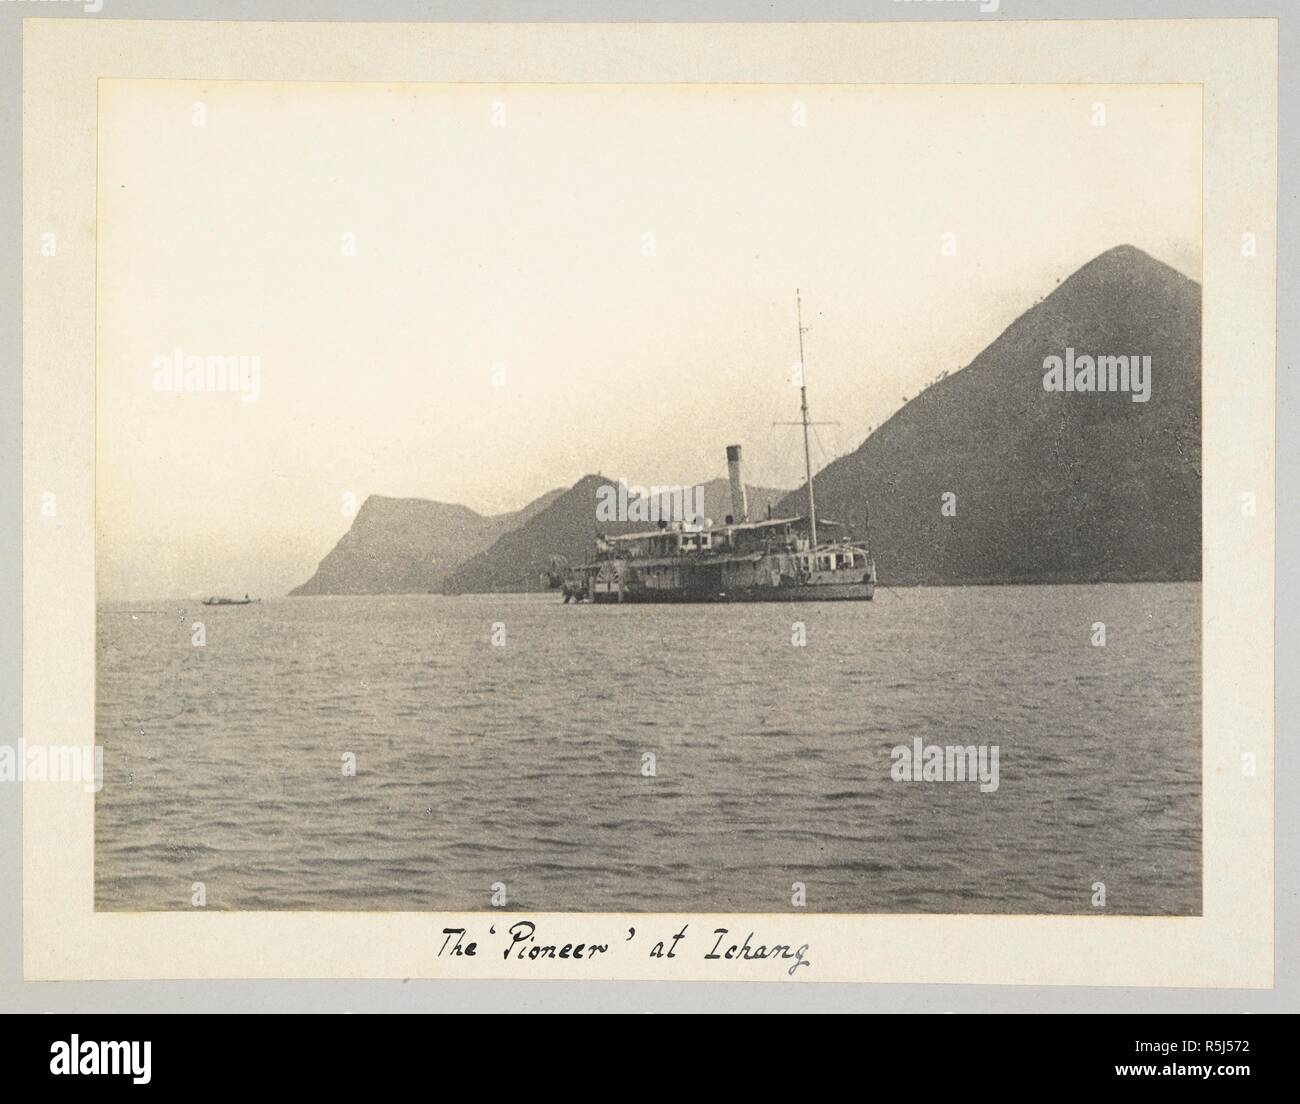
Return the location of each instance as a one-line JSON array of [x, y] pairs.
[[772, 560]]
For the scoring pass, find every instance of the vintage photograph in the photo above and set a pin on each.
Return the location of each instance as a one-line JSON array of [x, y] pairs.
[[746, 498]]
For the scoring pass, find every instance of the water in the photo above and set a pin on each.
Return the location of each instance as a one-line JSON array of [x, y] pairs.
[[522, 764]]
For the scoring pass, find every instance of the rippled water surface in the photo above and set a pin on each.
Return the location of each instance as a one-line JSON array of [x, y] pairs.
[[523, 764]]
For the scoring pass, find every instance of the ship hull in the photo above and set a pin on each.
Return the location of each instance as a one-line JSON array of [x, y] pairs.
[[823, 592]]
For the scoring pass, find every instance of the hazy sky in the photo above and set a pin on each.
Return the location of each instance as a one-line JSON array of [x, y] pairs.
[[629, 254]]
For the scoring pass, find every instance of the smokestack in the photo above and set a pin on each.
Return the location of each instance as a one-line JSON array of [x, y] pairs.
[[739, 501]]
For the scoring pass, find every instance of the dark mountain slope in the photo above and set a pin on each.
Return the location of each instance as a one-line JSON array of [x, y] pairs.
[[1050, 486]]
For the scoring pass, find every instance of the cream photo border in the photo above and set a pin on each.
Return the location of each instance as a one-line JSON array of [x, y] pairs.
[[1235, 64]]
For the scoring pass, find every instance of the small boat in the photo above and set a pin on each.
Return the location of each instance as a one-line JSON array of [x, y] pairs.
[[244, 601]]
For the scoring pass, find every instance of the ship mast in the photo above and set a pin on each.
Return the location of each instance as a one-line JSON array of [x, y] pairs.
[[803, 413]]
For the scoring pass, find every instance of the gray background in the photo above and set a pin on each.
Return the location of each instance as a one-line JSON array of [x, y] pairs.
[[483, 996]]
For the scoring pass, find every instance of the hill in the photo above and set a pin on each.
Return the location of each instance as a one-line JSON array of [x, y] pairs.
[[1050, 486], [409, 545]]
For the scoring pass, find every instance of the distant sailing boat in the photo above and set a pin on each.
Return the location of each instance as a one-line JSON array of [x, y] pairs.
[[777, 560]]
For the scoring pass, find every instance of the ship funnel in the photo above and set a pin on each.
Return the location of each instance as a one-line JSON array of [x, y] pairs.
[[739, 502]]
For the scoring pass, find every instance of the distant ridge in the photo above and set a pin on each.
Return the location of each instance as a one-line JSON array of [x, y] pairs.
[[1050, 486], [409, 545]]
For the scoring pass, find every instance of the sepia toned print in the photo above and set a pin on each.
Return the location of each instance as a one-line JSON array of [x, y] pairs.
[[649, 498], [345, 429]]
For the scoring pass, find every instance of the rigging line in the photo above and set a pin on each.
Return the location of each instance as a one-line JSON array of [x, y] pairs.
[[826, 457], [781, 457]]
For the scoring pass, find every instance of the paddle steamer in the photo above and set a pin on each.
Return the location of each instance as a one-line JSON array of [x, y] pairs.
[[773, 560]]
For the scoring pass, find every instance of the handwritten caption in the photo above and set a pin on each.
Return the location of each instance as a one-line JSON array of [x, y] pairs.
[[523, 942]]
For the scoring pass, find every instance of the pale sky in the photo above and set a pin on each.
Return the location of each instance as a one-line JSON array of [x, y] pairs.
[[628, 253]]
